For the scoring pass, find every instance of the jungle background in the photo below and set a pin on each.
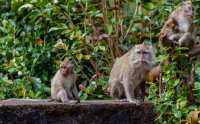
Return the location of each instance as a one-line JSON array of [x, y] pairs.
[[36, 35]]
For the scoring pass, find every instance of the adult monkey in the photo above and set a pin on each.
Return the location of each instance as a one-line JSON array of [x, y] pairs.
[[179, 30], [128, 75]]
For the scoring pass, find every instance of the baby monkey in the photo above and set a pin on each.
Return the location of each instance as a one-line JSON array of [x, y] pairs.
[[63, 84], [127, 77]]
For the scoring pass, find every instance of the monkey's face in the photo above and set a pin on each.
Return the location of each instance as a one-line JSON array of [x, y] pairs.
[[143, 55], [188, 10], [66, 68]]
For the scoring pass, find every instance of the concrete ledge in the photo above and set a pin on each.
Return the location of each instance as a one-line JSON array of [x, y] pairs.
[[14, 111]]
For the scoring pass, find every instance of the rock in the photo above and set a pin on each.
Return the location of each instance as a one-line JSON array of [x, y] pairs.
[[22, 111]]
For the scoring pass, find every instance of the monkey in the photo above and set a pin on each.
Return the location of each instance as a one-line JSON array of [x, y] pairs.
[[154, 73], [187, 40], [63, 86], [167, 35], [129, 72], [179, 29]]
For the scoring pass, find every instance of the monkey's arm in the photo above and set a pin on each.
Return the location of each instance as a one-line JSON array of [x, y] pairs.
[[62, 96], [75, 90], [168, 40], [75, 93], [193, 31], [187, 40], [129, 91], [168, 36]]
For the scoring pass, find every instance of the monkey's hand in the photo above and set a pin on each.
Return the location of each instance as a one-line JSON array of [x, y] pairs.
[[135, 101], [174, 43], [123, 100], [78, 101], [74, 101], [174, 39], [51, 100]]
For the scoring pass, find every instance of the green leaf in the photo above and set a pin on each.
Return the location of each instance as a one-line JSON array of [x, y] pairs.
[[109, 29]]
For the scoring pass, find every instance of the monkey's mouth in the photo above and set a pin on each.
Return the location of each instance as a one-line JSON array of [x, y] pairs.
[[191, 16], [143, 62]]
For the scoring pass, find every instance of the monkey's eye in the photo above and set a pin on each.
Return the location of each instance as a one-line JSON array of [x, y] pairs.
[[70, 67], [192, 8], [144, 52], [64, 67], [139, 52]]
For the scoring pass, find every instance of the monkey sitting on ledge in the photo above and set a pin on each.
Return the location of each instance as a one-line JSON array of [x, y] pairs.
[[128, 75], [63, 86]]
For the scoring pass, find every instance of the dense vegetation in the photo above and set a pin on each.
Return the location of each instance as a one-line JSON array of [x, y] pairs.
[[36, 35]]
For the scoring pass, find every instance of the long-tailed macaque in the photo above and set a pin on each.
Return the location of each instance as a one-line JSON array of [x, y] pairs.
[[179, 29], [154, 73], [129, 73], [63, 87]]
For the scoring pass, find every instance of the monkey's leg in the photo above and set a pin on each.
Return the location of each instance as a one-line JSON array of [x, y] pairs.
[[143, 89], [174, 39], [140, 91], [62, 95], [51, 100], [117, 90], [186, 40], [74, 94], [129, 91]]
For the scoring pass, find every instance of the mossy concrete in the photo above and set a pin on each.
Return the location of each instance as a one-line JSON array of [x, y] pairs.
[[20, 111]]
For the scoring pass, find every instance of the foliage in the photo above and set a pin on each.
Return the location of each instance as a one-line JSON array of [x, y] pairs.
[[36, 35], [171, 97]]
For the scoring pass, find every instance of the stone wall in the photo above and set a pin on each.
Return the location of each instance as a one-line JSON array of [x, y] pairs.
[[19, 111]]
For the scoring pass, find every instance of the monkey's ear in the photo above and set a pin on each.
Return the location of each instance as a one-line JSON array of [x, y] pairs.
[[150, 46], [162, 36], [66, 61], [185, 2], [153, 50]]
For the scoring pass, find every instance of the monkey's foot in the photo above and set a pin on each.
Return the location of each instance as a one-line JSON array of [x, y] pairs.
[[123, 100], [135, 101], [53, 100], [50, 100], [73, 101]]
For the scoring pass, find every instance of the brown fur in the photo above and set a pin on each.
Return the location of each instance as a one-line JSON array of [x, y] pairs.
[[130, 71], [63, 87], [179, 29]]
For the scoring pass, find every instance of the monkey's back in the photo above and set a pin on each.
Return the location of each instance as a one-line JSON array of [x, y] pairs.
[[120, 66]]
